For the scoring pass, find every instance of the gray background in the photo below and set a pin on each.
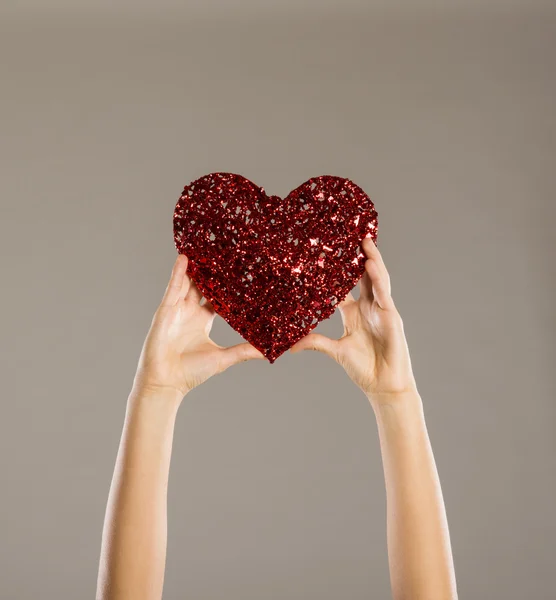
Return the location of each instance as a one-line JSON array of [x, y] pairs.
[[444, 114]]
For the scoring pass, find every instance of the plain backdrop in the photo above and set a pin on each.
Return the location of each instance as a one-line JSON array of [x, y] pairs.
[[444, 113]]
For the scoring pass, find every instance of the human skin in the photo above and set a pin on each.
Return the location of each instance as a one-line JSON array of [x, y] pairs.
[[178, 355], [374, 352]]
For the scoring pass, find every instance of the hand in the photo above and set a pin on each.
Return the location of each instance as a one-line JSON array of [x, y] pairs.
[[373, 349], [178, 354]]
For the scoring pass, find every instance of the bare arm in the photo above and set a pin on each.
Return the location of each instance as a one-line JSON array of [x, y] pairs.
[[419, 550], [373, 351], [177, 356], [134, 537]]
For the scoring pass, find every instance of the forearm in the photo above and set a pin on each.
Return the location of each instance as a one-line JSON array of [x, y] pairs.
[[420, 557], [133, 550]]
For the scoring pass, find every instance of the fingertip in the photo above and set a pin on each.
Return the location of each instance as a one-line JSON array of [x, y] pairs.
[[368, 240], [317, 342], [370, 266], [180, 266], [257, 354], [244, 352], [369, 245], [370, 271], [182, 260], [177, 278]]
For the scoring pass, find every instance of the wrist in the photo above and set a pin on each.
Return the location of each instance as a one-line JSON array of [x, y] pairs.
[[400, 417], [151, 416], [405, 400], [163, 397]]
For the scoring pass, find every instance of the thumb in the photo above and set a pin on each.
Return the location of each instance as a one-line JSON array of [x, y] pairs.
[[238, 353], [316, 341]]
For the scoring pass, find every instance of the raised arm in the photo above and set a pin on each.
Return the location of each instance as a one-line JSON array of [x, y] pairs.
[[374, 352], [177, 356]]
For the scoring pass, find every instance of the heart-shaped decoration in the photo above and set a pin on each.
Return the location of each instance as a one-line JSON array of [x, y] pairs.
[[273, 268]]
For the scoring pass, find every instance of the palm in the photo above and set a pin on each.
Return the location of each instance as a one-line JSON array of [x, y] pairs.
[[372, 349], [178, 352], [356, 351]]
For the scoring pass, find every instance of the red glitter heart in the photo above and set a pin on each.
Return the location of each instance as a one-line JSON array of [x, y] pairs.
[[273, 268]]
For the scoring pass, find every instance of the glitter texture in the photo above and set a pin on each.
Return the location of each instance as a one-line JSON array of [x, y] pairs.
[[273, 268]]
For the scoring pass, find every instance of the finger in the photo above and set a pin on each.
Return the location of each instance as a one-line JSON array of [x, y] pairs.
[[238, 353], [185, 286], [366, 288], [178, 279], [380, 284], [316, 341], [194, 294], [208, 308], [349, 298], [372, 252], [208, 315], [346, 310], [368, 245], [378, 277]]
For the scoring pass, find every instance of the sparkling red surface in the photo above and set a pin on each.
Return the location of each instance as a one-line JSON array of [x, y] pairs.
[[274, 268]]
